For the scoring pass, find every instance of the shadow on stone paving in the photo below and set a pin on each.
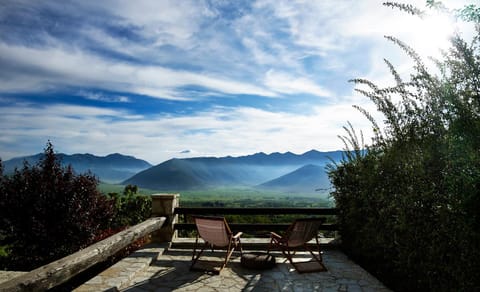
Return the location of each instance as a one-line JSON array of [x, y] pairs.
[[172, 271]]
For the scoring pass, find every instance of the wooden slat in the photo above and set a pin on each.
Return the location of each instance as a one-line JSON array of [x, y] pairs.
[[253, 211], [253, 227]]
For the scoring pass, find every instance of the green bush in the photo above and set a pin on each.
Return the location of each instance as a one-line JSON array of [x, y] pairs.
[[408, 205], [130, 207], [48, 212]]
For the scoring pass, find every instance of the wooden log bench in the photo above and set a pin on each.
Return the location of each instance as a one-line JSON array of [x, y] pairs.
[[57, 272]]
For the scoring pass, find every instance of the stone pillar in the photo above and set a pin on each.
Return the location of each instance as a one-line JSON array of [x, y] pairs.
[[163, 205]]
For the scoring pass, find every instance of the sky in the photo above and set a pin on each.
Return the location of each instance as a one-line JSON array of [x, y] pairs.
[[159, 79]]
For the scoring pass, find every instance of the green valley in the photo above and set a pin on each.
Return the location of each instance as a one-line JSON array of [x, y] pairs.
[[237, 197]]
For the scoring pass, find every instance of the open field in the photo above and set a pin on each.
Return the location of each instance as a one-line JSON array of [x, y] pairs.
[[237, 197]]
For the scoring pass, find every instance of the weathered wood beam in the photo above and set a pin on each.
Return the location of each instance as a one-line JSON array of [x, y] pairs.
[[254, 211], [57, 272]]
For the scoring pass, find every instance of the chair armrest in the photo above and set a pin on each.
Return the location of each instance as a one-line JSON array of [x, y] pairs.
[[238, 235], [274, 235]]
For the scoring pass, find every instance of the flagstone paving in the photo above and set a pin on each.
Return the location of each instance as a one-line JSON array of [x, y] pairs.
[[156, 268]]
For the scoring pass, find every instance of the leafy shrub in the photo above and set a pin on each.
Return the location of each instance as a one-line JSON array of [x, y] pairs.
[[408, 206], [130, 208], [49, 212]]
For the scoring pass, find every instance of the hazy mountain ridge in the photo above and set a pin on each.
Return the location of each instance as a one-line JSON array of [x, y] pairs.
[[276, 171], [111, 168], [304, 179], [312, 156], [280, 171]]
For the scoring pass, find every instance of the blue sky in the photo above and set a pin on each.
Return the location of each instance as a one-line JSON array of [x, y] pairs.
[[162, 79]]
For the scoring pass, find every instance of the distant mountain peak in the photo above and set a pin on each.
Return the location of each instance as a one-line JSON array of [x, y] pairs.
[[307, 178]]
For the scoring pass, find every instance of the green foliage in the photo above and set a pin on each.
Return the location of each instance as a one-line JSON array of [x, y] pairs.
[[408, 205], [409, 8], [48, 212], [130, 207], [4, 251], [470, 12]]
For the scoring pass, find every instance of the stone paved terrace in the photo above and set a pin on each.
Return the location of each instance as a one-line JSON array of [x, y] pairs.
[[156, 268]]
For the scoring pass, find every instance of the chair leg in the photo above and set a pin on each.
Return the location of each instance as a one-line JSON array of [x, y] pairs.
[[196, 256], [227, 255], [195, 248], [230, 250], [284, 249], [240, 246], [272, 243], [319, 251], [318, 257]]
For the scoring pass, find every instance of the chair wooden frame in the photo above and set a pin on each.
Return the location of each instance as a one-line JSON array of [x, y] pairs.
[[215, 233], [298, 234]]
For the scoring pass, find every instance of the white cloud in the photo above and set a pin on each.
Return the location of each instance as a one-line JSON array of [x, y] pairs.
[[283, 82], [166, 22], [62, 68], [331, 28], [313, 24], [261, 57], [102, 97], [239, 131]]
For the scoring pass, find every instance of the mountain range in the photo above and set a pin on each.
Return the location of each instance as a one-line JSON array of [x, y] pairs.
[[112, 168], [285, 172]]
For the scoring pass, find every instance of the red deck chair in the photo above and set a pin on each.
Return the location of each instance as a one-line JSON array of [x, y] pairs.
[[217, 234], [298, 234]]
